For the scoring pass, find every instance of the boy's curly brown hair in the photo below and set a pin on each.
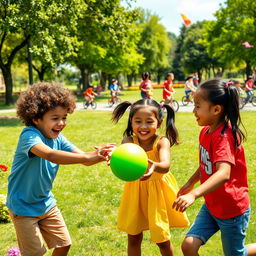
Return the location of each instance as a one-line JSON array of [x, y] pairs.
[[42, 97]]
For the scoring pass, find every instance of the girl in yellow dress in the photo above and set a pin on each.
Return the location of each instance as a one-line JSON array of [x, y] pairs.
[[147, 203]]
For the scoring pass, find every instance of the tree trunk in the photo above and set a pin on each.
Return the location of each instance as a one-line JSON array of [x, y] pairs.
[[129, 80], [30, 68], [7, 74], [109, 79], [248, 68], [103, 79], [41, 75], [83, 77], [158, 78]]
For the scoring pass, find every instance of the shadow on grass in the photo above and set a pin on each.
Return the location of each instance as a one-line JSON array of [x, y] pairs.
[[9, 121]]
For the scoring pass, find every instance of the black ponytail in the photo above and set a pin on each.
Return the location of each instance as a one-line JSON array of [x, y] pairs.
[[226, 94], [171, 130]]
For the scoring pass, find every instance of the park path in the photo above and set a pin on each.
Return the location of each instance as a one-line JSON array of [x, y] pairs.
[[188, 108], [105, 107]]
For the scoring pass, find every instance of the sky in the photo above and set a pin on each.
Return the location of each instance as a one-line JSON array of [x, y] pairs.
[[169, 11]]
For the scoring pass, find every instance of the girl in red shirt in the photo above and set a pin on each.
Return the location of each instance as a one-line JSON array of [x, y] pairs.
[[168, 88], [222, 173]]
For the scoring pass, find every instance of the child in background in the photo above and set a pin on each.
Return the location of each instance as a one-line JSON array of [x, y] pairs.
[[168, 88], [114, 89], [222, 173], [249, 85], [189, 87], [238, 86], [195, 79], [43, 108], [146, 203], [89, 95], [145, 86]]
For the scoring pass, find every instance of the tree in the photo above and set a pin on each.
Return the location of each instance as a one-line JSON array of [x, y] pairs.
[[236, 23], [106, 34], [194, 54], [39, 21], [177, 67], [154, 44]]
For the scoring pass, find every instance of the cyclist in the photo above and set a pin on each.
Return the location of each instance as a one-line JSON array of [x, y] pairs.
[[114, 89], [168, 88], [189, 88], [249, 85], [89, 95]]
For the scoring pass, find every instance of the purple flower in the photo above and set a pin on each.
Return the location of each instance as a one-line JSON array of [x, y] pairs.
[[14, 252]]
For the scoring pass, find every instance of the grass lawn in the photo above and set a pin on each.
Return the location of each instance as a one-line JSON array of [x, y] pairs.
[[89, 196]]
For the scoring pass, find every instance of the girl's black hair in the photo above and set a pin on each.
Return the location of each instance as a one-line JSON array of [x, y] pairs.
[[146, 75], [219, 92], [171, 131]]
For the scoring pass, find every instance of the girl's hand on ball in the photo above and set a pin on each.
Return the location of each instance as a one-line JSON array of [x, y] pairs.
[[150, 170]]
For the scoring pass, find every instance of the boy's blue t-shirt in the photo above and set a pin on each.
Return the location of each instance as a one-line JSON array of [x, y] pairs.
[[31, 178]]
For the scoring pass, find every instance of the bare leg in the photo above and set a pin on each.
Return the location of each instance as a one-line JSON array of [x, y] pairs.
[[134, 244], [166, 248], [251, 249], [191, 246], [63, 251]]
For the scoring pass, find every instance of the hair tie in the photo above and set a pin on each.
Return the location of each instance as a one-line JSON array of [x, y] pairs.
[[228, 84], [162, 105]]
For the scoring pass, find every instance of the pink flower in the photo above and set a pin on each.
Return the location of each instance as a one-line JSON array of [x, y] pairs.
[[14, 252], [4, 168]]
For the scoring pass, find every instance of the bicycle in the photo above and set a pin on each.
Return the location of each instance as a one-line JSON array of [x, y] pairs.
[[93, 104], [186, 100], [242, 101], [174, 104], [115, 100]]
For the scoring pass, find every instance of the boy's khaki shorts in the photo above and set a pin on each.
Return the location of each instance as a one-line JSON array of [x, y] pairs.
[[31, 231]]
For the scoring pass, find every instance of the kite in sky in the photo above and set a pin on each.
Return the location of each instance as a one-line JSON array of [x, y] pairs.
[[247, 44], [186, 20]]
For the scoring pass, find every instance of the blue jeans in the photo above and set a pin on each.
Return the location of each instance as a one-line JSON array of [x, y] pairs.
[[187, 92], [249, 93], [232, 230], [143, 95]]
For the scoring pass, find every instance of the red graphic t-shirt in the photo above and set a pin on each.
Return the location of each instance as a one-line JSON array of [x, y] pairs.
[[230, 199]]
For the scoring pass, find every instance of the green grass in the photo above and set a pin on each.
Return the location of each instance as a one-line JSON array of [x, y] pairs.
[[89, 196]]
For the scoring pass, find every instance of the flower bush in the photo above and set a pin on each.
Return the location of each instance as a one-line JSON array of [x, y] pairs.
[[4, 215], [14, 252], [4, 168]]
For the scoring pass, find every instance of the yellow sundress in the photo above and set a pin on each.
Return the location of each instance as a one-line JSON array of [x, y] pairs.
[[147, 205]]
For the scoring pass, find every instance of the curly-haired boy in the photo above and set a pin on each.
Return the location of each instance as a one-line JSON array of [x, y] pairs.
[[43, 108]]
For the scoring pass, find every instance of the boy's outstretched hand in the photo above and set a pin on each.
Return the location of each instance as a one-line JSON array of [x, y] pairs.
[[106, 151]]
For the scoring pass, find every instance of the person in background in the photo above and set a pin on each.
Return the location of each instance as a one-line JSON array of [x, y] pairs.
[[89, 95], [168, 89], [146, 86]]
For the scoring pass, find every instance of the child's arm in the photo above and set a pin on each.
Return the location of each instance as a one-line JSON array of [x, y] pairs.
[[187, 187], [164, 159], [64, 157], [217, 179]]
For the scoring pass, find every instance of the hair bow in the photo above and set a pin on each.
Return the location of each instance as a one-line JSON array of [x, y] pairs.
[[228, 84]]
